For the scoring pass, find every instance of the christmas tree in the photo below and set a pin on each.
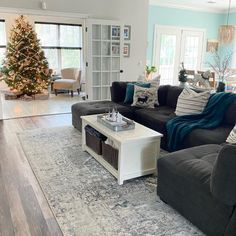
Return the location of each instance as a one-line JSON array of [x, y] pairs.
[[25, 68]]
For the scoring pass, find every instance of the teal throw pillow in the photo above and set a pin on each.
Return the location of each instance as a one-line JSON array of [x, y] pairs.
[[130, 91]]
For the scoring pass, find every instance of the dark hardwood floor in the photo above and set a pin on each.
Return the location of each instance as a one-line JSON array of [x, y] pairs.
[[23, 207]]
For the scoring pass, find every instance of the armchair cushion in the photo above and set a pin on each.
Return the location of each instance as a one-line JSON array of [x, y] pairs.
[[223, 178]]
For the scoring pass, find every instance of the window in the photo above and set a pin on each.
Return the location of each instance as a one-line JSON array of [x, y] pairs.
[[2, 41], [62, 44]]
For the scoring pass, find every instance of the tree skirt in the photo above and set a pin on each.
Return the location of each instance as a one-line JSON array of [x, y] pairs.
[[86, 199]]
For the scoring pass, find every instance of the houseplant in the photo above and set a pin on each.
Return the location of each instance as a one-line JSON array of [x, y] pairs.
[[149, 70], [220, 64], [182, 75]]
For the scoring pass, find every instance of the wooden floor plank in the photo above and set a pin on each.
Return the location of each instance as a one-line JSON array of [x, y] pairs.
[[25, 209], [6, 225]]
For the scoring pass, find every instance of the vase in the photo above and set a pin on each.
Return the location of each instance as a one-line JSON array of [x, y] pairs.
[[183, 84], [220, 87]]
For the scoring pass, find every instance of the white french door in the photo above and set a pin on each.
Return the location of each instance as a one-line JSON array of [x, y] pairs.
[[104, 57], [174, 45]]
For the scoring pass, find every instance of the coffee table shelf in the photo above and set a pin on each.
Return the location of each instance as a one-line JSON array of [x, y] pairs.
[[138, 149]]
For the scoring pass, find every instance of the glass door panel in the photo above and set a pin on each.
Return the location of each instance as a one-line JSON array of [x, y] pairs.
[[104, 51], [96, 32], [96, 79], [191, 50], [106, 79], [173, 46], [167, 58]]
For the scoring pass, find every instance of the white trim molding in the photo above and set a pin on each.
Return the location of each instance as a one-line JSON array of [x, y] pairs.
[[43, 12], [196, 7]]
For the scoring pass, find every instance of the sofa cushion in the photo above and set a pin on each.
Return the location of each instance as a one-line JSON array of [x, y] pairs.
[[190, 102], [118, 91], [223, 179], [230, 115], [144, 97], [232, 136], [199, 137], [172, 96], [130, 91], [156, 119], [184, 183], [162, 94]]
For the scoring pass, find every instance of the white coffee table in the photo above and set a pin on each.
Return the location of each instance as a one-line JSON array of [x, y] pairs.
[[138, 149]]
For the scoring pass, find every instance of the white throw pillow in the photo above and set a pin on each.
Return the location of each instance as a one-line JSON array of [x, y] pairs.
[[144, 97], [232, 136], [191, 102]]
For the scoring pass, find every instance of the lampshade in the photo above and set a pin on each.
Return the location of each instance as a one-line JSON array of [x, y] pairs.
[[227, 32]]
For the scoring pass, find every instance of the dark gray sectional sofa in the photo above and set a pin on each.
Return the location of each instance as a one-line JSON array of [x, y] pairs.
[[156, 118], [200, 181]]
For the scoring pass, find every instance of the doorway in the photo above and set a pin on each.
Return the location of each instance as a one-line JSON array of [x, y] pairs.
[[173, 45]]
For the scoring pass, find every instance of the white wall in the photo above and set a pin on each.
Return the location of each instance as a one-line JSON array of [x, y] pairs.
[[130, 12]]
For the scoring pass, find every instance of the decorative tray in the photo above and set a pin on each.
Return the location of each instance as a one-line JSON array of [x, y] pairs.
[[126, 123]]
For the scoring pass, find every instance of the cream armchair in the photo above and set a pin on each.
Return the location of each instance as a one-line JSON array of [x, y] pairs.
[[70, 80]]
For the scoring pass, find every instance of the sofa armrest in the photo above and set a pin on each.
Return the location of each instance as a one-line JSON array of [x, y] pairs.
[[223, 178]]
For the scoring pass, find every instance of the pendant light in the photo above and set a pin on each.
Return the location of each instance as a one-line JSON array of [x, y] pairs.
[[227, 32]]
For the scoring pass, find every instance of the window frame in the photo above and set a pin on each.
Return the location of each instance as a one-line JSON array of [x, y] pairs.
[[60, 48], [2, 45]]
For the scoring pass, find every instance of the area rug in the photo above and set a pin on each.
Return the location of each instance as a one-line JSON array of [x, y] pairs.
[[86, 199]]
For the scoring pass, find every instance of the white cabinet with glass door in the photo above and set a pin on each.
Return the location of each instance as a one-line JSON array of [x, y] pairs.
[[173, 45], [103, 57]]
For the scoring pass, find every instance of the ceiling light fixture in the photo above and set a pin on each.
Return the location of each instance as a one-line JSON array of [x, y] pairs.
[[227, 32]]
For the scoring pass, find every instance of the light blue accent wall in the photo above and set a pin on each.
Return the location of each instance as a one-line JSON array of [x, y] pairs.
[[182, 18], [232, 18]]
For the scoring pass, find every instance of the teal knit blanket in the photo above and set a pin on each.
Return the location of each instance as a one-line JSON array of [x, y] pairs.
[[212, 116]]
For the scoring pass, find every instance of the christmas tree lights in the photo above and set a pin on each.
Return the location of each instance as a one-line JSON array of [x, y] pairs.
[[25, 68]]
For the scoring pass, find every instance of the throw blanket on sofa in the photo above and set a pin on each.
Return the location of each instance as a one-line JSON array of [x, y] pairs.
[[211, 117]]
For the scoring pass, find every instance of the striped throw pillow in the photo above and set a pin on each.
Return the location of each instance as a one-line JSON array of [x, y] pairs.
[[232, 136], [191, 102]]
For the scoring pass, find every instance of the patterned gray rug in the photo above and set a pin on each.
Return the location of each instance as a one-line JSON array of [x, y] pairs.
[[86, 199]]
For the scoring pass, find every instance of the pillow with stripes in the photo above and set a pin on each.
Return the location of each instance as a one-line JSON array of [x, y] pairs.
[[232, 136], [190, 102]]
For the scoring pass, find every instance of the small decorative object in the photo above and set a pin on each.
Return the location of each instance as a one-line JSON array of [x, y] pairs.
[[115, 121], [149, 70], [115, 32], [221, 61], [11, 94], [212, 45], [182, 76], [115, 49], [126, 50], [127, 32], [200, 81], [227, 32]]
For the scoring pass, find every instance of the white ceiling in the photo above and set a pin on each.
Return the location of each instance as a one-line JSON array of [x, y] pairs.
[[218, 6]]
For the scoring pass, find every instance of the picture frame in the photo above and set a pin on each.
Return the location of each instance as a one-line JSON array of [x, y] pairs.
[[115, 48], [127, 32], [126, 50], [212, 45], [115, 32]]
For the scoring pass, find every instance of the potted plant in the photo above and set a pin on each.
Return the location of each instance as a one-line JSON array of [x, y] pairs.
[[220, 64], [182, 76], [149, 71]]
